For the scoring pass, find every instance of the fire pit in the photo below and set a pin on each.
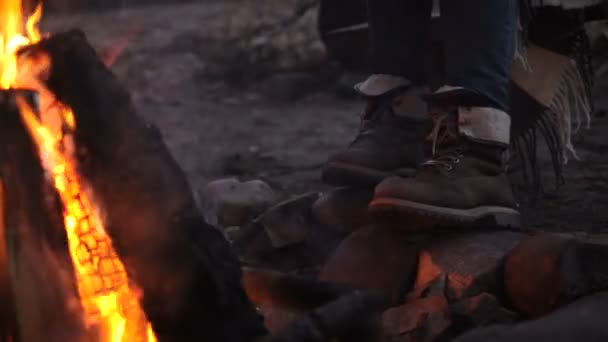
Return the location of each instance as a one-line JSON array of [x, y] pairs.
[[101, 230], [100, 237]]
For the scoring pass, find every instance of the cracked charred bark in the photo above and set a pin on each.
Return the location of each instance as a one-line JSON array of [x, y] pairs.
[[37, 290], [190, 278]]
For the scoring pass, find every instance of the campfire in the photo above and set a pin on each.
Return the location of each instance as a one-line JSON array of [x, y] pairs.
[[100, 236], [101, 239], [110, 302]]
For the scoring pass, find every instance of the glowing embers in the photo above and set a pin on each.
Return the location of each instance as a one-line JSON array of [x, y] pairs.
[[109, 301]]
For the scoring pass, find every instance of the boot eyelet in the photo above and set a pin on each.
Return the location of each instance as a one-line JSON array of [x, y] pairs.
[[457, 161], [449, 167]]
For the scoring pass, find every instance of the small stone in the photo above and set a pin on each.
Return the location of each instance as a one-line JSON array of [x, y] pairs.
[[547, 271], [345, 209], [230, 202], [287, 239], [374, 258], [424, 319], [288, 222]]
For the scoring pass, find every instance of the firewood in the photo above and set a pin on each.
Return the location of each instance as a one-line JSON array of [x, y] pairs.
[[36, 281], [189, 276], [351, 317], [289, 291]]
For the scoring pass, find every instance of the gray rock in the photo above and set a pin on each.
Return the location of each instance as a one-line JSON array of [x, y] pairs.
[[255, 248], [431, 317], [344, 209], [470, 263], [285, 237], [230, 202], [581, 321], [374, 258], [288, 222]]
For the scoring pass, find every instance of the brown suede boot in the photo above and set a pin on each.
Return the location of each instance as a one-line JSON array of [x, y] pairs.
[[388, 143], [464, 184]]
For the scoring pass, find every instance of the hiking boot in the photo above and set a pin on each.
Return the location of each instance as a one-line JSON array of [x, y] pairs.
[[464, 183], [387, 144]]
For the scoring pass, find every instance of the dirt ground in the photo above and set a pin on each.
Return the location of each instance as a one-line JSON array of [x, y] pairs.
[[221, 113]]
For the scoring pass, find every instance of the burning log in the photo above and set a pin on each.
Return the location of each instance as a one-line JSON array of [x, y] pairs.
[[189, 277], [335, 312], [351, 317], [288, 291], [36, 284]]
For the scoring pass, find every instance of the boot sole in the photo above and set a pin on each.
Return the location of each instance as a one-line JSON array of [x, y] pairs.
[[343, 174], [423, 216]]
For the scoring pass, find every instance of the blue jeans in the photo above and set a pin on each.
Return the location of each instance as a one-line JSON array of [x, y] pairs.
[[479, 42]]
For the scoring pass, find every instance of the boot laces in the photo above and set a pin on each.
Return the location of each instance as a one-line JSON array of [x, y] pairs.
[[446, 159], [445, 131]]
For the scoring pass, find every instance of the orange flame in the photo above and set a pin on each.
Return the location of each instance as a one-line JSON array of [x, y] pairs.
[[110, 302], [12, 37]]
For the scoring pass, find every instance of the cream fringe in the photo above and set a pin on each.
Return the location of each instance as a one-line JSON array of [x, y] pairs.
[[571, 107]]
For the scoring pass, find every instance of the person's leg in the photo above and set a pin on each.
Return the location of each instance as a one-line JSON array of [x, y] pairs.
[[465, 181], [398, 37], [480, 38], [389, 142]]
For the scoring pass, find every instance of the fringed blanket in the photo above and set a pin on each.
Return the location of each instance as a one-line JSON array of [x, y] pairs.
[[552, 82]]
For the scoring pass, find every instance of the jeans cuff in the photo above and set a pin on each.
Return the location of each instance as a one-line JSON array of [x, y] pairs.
[[485, 124]]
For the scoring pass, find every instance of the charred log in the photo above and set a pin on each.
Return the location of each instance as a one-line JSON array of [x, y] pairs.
[[190, 278], [352, 317], [288, 291], [37, 288], [334, 311]]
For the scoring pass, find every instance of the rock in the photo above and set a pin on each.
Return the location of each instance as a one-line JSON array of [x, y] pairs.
[[277, 319], [424, 319], [255, 249], [481, 310], [581, 321], [432, 317], [470, 263], [547, 271], [345, 209], [229, 202], [288, 222], [374, 258]]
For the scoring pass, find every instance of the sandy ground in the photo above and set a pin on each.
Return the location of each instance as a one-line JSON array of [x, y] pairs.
[[172, 64]]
